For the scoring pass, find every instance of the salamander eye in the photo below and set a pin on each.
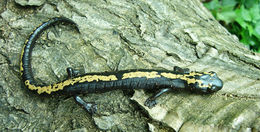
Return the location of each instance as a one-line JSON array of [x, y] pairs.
[[212, 73]]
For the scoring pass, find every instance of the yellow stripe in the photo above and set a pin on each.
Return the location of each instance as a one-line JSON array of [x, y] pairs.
[[186, 77], [61, 85], [152, 74], [21, 62]]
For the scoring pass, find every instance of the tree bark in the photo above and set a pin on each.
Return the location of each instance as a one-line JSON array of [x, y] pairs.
[[119, 35]]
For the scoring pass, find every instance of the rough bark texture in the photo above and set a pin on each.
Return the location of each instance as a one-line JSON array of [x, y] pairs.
[[117, 35]]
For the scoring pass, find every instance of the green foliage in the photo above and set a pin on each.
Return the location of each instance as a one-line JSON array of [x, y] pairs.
[[240, 17]]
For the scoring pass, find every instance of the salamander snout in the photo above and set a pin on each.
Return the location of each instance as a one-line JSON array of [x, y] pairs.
[[208, 83]]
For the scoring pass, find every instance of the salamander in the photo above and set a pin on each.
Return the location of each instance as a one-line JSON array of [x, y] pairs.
[[160, 80]]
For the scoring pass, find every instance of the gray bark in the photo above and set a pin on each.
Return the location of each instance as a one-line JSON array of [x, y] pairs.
[[118, 35]]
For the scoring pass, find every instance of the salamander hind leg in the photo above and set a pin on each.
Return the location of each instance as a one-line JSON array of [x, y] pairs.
[[90, 107], [151, 101]]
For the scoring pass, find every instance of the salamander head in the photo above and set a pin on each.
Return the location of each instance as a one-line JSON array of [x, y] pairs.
[[207, 83]]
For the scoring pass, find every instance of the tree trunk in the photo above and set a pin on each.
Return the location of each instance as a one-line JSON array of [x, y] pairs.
[[118, 35]]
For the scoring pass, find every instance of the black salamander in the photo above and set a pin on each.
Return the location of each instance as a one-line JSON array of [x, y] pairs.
[[162, 80]]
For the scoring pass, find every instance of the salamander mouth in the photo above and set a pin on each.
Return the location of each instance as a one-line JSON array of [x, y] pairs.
[[214, 83], [216, 88], [208, 83]]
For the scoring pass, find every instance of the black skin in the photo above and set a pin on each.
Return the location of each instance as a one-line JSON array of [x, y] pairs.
[[91, 107], [211, 83]]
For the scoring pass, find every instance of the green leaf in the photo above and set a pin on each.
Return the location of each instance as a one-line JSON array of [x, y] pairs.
[[250, 29], [229, 3], [226, 14], [250, 3], [241, 22], [243, 13], [255, 12], [257, 30], [213, 5]]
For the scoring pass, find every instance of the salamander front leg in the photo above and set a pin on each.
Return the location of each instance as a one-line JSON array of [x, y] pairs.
[[71, 72], [90, 107], [151, 101], [181, 70]]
